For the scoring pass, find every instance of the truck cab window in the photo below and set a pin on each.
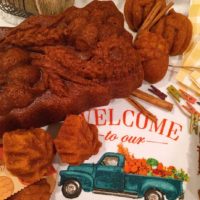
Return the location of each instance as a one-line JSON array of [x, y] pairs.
[[110, 161]]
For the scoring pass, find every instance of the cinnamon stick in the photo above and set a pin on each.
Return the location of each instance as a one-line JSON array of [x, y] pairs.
[[143, 110], [155, 15], [160, 14], [154, 12], [153, 100]]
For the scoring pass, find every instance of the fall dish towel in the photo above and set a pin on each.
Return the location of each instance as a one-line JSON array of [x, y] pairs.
[[191, 78]]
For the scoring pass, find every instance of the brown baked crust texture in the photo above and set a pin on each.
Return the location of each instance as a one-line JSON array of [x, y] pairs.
[[153, 50], [28, 154], [52, 66], [176, 29], [38, 191], [77, 140]]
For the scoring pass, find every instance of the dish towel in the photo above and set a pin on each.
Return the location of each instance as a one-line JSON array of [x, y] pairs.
[[191, 78]]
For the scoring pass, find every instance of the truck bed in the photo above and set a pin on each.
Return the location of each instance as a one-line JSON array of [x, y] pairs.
[[135, 183]]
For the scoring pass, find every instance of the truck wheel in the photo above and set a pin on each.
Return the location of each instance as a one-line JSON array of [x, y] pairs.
[[153, 195], [71, 189]]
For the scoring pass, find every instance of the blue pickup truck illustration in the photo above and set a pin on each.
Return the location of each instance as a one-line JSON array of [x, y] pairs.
[[108, 177]]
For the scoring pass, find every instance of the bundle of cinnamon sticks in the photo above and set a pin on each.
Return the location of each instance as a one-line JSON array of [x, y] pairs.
[[150, 99], [155, 15]]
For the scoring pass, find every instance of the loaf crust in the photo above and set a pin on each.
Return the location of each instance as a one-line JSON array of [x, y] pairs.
[[65, 64]]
